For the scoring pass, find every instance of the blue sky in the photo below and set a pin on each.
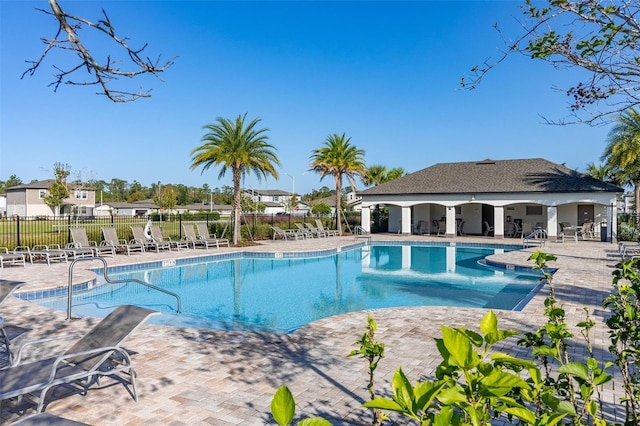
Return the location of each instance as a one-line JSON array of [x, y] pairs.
[[385, 73]]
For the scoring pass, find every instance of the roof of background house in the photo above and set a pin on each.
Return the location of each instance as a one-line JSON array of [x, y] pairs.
[[270, 192], [489, 176], [45, 184]]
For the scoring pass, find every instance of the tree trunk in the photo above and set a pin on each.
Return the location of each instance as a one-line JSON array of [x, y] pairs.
[[236, 205], [338, 202], [636, 191]]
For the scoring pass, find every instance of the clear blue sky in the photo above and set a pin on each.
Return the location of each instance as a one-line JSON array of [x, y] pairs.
[[385, 73]]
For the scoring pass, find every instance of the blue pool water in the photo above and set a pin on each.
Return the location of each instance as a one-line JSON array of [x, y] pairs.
[[281, 295]]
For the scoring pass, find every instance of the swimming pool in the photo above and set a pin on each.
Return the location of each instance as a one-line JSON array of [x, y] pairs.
[[282, 294]]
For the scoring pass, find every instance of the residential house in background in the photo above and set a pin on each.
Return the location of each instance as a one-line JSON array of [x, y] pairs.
[[28, 200], [3, 205], [277, 201]]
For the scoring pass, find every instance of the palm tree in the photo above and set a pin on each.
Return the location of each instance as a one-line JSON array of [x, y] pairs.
[[376, 175], [241, 148], [622, 153], [601, 172], [336, 158]]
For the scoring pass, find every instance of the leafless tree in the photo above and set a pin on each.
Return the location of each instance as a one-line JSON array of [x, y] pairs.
[[102, 72], [598, 37]]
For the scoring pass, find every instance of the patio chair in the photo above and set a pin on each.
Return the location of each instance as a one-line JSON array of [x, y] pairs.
[[43, 252], [330, 232], [6, 289], [488, 229], [569, 232], [285, 234], [98, 353], [11, 258], [139, 237], [156, 235], [304, 231], [46, 419], [120, 245], [203, 233], [192, 238], [587, 230], [81, 241], [315, 232]]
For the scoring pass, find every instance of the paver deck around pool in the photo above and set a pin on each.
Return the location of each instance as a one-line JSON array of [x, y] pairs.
[[192, 376]]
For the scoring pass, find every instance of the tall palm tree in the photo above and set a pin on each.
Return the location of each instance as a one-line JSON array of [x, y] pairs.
[[622, 153], [601, 172], [376, 175], [338, 157], [241, 147]]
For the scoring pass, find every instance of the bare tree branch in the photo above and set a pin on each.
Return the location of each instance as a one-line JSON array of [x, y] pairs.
[[600, 37], [67, 38]]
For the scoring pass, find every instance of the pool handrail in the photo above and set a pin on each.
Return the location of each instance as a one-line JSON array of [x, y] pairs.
[[110, 281]]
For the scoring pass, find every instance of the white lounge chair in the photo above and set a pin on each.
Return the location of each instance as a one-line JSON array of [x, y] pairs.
[[98, 353], [330, 232], [192, 238], [81, 241], [203, 233], [111, 238], [156, 235], [11, 258]]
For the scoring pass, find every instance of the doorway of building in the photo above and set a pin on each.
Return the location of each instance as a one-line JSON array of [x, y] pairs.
[[585, 214]]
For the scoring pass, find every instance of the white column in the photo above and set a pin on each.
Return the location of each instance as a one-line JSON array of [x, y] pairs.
[[365, 219], [451, 258], [451, 222], [498, 222], [552, 222], [406, 220], [406, 257]]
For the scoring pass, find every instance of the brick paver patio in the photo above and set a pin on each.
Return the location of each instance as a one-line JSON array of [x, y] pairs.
[[191, 376]]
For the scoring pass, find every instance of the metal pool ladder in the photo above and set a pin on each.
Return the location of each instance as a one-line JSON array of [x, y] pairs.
[[110, 281]]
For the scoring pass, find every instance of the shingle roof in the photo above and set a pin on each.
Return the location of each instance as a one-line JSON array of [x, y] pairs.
[[45, 184], [489, 176], [270, 192]]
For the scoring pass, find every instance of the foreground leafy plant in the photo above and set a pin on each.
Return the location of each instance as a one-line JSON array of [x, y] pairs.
[[283, 409], [373, 352]]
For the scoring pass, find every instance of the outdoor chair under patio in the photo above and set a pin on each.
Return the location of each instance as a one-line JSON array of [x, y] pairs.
[[156, 235], [11, 258], [203, 233], [81, 241], [98, 353], [120, 245]]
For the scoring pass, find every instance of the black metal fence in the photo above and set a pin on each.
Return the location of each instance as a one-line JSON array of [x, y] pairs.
[[38, 230]]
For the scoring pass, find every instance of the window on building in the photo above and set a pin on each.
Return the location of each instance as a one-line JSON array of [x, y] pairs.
[[42, 193], [276, 198], [534, 210], [82, 195]]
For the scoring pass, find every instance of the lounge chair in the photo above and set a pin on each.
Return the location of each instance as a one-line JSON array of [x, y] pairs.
[[156, 235], [192, 238], [139, 237], [11, 258], [98, 353], [569, 232], [46, 419], [304, 231], [111, 238], [6, 289], [203, 233], [330, 232], [81, 241], [43, 252], [285, 234], [315, 231]]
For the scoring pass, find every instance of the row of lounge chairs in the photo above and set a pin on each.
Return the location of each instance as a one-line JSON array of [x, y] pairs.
[[304, 231], [83, 247], [97, 354]]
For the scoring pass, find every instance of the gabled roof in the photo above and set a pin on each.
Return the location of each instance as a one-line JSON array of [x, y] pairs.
[[489, 176], [269, 192], [45, 184]]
